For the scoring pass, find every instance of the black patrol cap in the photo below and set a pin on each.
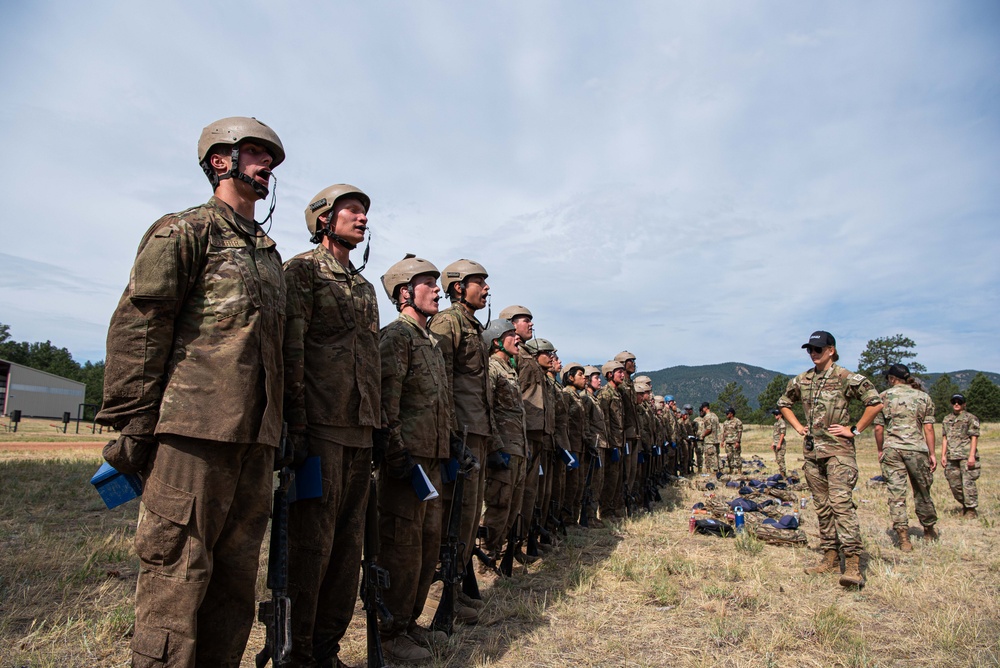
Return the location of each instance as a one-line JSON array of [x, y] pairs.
[[704, 404], [958, 399], [731, 410], [899, 371], [820, 339], [774, 411]]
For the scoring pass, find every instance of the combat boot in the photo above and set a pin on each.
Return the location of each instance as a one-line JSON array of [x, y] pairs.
[[930, 533], [829, 562], [969, 514], [468, 601], [852, 572], [904, 540], [426, 637], [403, 649]]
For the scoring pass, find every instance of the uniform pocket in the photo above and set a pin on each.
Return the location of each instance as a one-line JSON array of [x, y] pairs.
[[164, 534], [150, 643], [228, 281]]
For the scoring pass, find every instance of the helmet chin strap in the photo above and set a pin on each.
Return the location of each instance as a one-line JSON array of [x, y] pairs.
[[409, 300], [325, 231]]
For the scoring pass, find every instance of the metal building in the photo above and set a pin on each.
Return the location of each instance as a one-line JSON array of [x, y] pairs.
[[37, 393]]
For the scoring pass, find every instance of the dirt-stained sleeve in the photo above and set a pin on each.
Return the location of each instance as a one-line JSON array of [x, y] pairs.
[[140, 335], [444, 329], [298, 315], [395, 352]]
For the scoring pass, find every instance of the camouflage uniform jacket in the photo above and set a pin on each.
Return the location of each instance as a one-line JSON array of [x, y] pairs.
[[905, 411], [595, 421], [647, 425], [959, 430], [415, 397], [630, 410], [194, 346], [576, 426], [561, 402], [699, 427], [778, 432], [610, 401], [539, 412], [459, 336], [710, 428], [508, 407], [732, 431], [825, 399], [332, 365], [671, 425]]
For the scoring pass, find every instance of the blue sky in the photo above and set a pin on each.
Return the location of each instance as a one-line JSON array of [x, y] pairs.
[[695, 182]]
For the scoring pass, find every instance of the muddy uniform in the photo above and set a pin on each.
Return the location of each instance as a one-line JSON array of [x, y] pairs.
[[905, 411], [778, 443], [194, 357], [710, 435], [554, 479], [459, 335], [732, 436], [332, 397], [699, 445], [505, 487], [630, 421], [610, 401], [598, 437], [959, 430], [540, 422], [577, 428], [830, 467]]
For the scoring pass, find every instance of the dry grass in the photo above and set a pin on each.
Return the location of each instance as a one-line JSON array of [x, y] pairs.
[[42, 430], [643, 593]]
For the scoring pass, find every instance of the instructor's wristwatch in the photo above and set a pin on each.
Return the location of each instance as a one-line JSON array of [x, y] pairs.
[[854, 430]]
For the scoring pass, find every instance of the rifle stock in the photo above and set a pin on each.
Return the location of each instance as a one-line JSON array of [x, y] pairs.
[[276, 614], [450, 572], [374, 580]]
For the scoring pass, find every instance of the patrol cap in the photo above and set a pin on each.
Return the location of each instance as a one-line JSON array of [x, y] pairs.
[[569, 367], [668, 398], [820, 339], [497, 329], [538, 346], [237, 129], [730, 411], [688, 407], [774, 411], [624, 356], [900, 371], [704, 404], [958, 399], [459, 270], [610, 367], [514, 311]]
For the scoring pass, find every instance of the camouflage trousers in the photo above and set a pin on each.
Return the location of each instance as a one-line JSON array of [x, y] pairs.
[[553, 482], [897, 467], [473, 491], [698, 456], [573, 493], [779, 458], [632, 461], [712, 457], [734, 457], [204, 512], [591, 489], [410, 536], [962, 481], [831, 481], [536, 446], [611, 490], [325, 536], [504, 493]]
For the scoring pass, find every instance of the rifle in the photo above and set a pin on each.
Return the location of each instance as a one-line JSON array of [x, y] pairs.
[[374, 580], [276, 614], [484, 559], [450, 571], [514, 539], [588, 493]]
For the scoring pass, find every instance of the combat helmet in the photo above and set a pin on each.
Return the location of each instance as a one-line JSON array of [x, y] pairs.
[[232, 132], [496, 330], [402, 273], [538, 346], [323, 202], [569, 367], [459, 270], [591, 370], [624, 356], [610, 367], [514, 311], [643, 384]]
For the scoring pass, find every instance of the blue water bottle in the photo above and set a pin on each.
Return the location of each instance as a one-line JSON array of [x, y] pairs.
[[739, 519]]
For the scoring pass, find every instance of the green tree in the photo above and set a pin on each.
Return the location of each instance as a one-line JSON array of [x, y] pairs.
[[732, 395], [885, 351], [941, 392], [983, 397]]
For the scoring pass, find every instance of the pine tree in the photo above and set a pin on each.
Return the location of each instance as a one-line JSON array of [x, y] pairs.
[[983, 397], [941, 392], [882, 353]]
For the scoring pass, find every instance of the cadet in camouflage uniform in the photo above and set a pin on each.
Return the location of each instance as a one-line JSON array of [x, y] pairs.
[[732, 435], [416, 402], [332, 404], [540, 420], [904, 435], [830, 465], [630, 417], [778, 442], [193, 382], [959, 451], [554, 480], [710, 434], [699, 443], [574, 380], [459, 335], [504, 479], [610, 401], [597, 445]]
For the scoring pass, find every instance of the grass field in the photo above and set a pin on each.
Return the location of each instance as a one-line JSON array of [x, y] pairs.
[[643, 593]]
